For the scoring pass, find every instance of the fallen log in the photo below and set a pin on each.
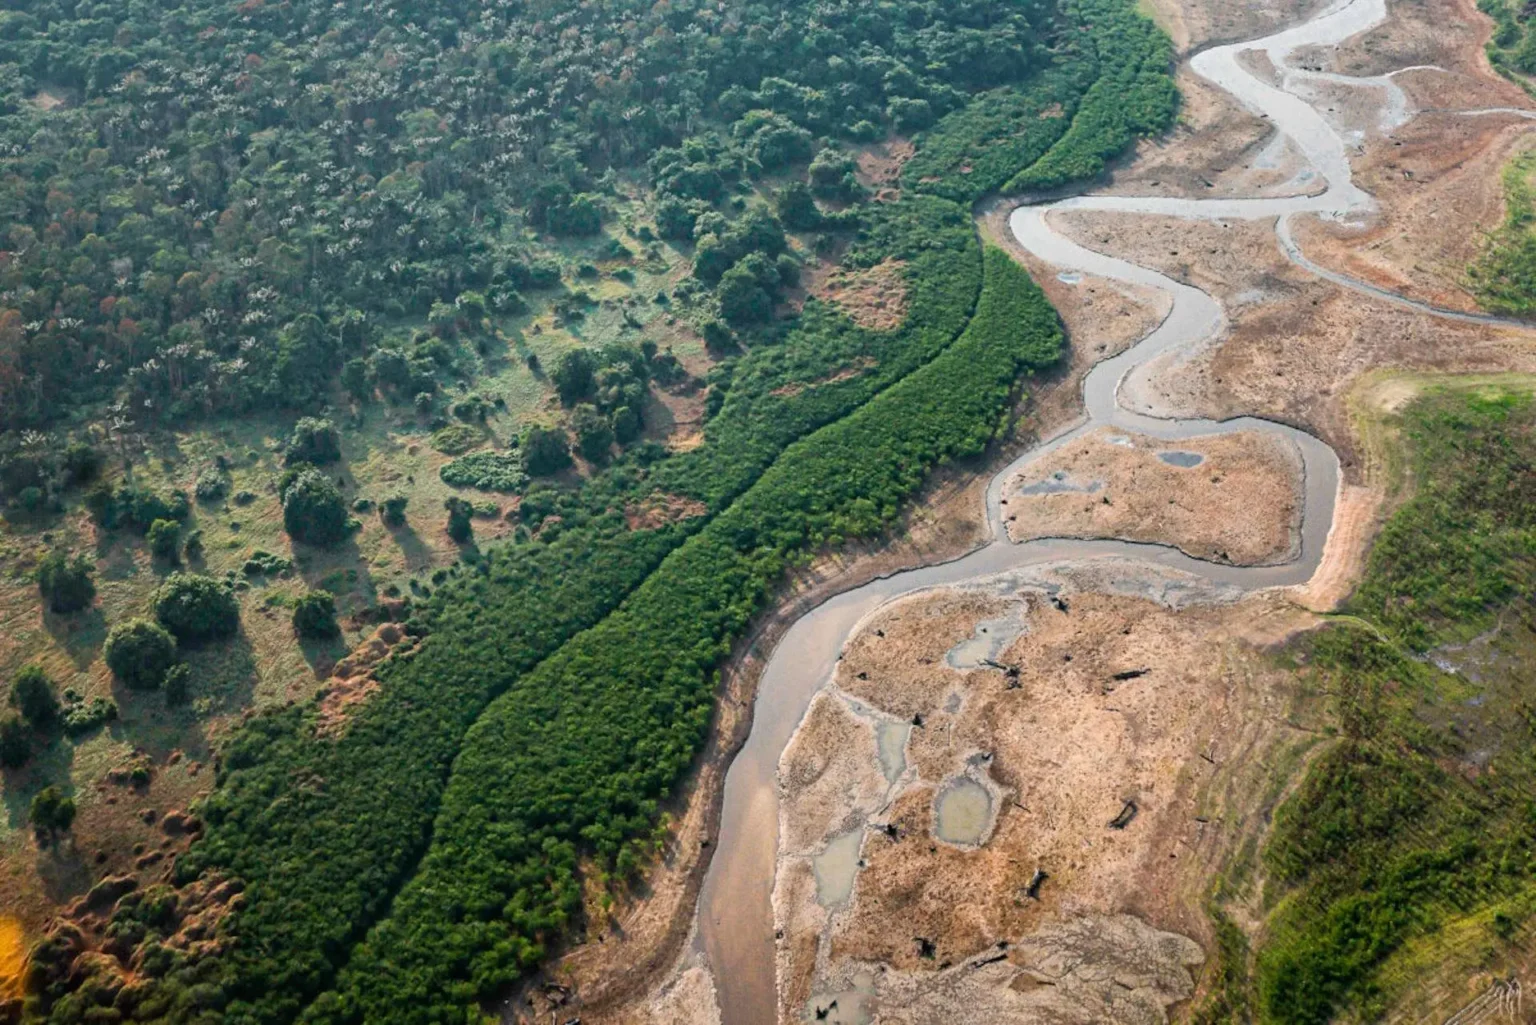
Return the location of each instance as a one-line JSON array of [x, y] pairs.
[[1122, 820]]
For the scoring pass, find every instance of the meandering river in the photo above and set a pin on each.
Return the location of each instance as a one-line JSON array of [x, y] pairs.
[[735, 924]]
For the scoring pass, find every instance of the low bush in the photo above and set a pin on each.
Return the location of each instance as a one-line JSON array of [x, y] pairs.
[[313, 510], [314, 441], [487, 471], [32, 695], [65, 583], [196, 608], [314, 615], [139, 653]]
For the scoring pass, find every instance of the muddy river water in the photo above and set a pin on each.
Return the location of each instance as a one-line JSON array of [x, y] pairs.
[[735, 923]]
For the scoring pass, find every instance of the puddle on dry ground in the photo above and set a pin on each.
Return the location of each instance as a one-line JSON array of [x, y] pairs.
[[836, 866], [989, 640], [891, 743], [850, 1006], [1184, 460], [1058, 483], [962, 812]]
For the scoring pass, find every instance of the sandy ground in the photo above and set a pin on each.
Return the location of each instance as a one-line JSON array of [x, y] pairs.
[[1135, 692], [1240, 503]]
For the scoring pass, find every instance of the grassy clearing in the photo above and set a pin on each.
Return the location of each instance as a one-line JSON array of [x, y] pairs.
[[1504, 275]]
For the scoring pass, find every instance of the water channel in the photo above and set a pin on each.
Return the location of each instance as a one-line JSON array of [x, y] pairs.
[[735, 923]]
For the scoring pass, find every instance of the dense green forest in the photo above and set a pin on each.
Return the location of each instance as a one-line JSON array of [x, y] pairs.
[[217, 209], [1410, 843]]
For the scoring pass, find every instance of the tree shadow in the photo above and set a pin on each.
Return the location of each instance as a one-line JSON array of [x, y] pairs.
[[322, 653], [49, 764], [80, 634], [418, 554], [224, 678], [61, 867]]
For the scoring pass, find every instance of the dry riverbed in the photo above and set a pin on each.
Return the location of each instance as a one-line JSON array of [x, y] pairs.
[[1233, 498]]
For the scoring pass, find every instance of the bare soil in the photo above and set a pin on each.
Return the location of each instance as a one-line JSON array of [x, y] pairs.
[[1070, 743], [1240, 505]]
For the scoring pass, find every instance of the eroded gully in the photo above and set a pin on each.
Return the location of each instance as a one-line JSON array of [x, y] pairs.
[[735, 916]]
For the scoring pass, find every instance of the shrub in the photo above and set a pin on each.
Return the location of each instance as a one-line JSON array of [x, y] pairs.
[[32, 695], [82, 463], [80, 717], [459, 526], [392, 509], [264, 563], [196, 608], [65, 583], [164, 539], [15, 742], [488, 471], [177, 683], [140, 653], [133, 506], [212, 485], [314, 441], [51, 812], [545, 451], [456, 439], [594, 434], [313, 509], [626, 425], [574, 376], [314, 615]]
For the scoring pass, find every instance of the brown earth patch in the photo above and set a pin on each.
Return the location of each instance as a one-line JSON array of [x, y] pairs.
[[352, 681], [872, 297], [660, 509], [879, 167], [854, 369], [82, 947], [1240, 505], [1294, 344], [1067, 745]]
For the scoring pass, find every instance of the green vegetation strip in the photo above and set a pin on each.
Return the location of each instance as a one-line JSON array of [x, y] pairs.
[[1109, 87], [1423, 815], [1504, 274], [321, 860], [577, 754]]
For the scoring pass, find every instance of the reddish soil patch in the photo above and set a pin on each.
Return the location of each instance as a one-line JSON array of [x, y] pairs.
[[660, 509], [854, 369], [352, 681], [880, 167], [873, 297]]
